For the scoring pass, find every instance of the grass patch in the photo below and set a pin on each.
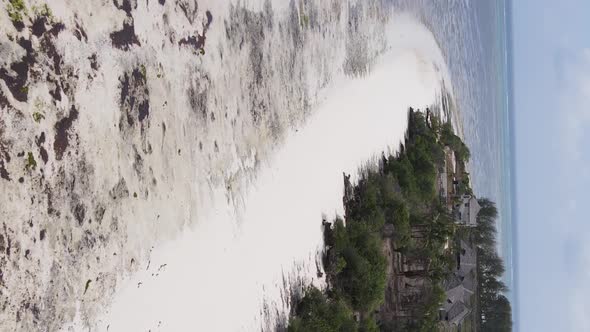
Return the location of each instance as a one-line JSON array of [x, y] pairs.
[[37, 117], [143, 71], [31, 162], [305, 21], [16, 9], [43, 10]]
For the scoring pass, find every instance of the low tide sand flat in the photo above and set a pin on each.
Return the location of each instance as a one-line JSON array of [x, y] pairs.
[[142, 142]]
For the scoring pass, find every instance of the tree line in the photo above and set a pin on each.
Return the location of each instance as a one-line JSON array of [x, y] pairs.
[[495, 313]]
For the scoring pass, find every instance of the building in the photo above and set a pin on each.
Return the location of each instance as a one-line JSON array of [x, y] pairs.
[[466, 210], [450, 160], [443, 185], [456, 305], [460, 287]]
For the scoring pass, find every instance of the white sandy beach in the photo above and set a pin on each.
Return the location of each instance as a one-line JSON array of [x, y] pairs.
[[230, 271], [190, 189]]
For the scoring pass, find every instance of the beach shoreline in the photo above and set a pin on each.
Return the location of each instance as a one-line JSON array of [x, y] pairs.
[[358, 120], [141, 209]]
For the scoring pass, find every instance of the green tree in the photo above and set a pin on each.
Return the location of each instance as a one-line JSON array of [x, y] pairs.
[[316, 312], [500, 318], [449, 138]]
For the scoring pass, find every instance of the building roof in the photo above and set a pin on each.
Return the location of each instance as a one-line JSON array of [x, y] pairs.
[[468, 210], [474, 208], [461, 286], [443, 182], [466, 265], [457, 313], [455, 307], [467, 256], [460, 294], [451, 281], [468, 281]]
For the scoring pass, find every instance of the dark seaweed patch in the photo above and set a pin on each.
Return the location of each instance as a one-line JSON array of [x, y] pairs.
[[56, 28], [38, 28], [120, 190], [125, 38], [27, 45], [19, 25], [35, 311], [197, 42], [79, 213], [61, 133], [125, 5], [4, 156], [40, 141], [43, 154], [99, 213], [55, 93], [50, 50], [189, 8], [198, 94], [93, 62], [139, 76], [246, 29], [134, 99], [18, 84], [88, 241], [3, 100], [124, 89], [3, 172], [138, 162], [8, 240], [80, 33], [144, 110], [209, 18]]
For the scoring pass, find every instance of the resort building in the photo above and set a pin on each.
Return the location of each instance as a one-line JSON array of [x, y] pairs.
[[466, 211]]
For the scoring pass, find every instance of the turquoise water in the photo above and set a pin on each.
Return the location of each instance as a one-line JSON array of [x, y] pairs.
[[474, 37]]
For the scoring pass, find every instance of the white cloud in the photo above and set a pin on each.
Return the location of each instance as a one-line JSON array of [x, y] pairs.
[[574, 93], [575, 99], [580, 310], [580, 291]]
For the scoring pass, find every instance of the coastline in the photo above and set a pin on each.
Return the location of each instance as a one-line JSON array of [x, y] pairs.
[[312, 157], [167, 206]]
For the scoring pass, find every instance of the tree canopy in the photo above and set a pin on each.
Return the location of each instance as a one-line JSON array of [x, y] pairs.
[[495, 310]]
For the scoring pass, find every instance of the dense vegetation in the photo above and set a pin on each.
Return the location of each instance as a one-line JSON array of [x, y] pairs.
[[399, 190], [495, 310], [318, 313]]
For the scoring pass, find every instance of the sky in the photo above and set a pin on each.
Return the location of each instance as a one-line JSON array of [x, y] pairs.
[[552, 130]]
